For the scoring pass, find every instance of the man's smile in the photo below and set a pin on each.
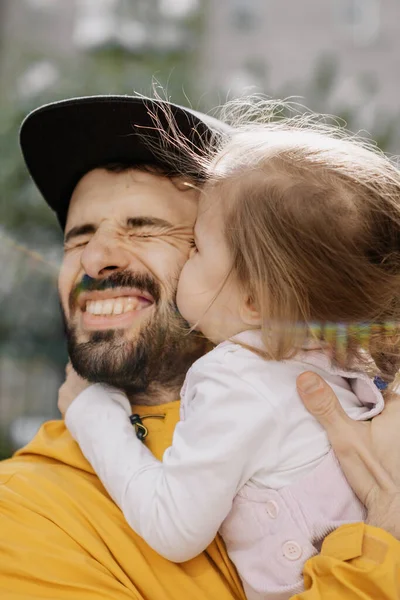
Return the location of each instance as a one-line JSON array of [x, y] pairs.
[[113, 308]]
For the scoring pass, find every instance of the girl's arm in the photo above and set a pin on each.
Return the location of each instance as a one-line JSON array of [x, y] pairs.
[[179, 504]]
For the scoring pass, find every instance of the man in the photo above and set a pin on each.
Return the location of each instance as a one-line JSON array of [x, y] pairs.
[[128, 219]]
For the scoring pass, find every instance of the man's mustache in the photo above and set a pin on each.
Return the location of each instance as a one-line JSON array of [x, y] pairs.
[[120, 279]]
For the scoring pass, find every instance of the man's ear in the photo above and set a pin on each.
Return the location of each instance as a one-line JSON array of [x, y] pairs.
[[250, 312]]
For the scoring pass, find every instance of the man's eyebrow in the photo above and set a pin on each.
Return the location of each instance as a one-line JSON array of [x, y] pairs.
[[137, 222], [79, 230]]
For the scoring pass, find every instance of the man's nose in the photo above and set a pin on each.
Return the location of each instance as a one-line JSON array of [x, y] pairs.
[[103, 255]]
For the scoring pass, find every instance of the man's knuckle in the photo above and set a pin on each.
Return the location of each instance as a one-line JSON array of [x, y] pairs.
[[325, 406]]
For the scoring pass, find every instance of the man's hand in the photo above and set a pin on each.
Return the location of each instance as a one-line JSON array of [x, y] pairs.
[[74, 384], [368, 452]]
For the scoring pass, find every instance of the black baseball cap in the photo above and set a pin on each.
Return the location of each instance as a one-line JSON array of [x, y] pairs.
[[64, 140]]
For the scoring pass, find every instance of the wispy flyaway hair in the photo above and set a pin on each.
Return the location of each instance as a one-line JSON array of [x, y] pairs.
[[313, 225]]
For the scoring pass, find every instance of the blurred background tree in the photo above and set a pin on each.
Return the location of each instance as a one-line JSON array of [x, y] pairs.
[[339, 56]]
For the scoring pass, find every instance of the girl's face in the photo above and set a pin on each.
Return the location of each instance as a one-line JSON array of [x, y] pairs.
[[208, 295]]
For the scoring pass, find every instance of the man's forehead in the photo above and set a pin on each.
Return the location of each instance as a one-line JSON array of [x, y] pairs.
[[103, 194], [95, 179]]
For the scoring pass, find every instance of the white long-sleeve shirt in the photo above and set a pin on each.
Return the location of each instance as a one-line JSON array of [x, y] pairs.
[[243, 422]]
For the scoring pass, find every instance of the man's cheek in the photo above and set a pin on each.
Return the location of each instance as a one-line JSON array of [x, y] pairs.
[[70, 275], [167, 274], [64, 295], [172, 258], [64, 308]]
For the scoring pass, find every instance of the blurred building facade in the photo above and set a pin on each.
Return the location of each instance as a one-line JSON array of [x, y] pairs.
[[337, 54]]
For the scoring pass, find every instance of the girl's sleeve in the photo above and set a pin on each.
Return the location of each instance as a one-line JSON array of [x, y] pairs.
[[177, 505]]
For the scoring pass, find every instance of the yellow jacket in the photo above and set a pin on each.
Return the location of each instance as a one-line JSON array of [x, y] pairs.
[[62, 538]]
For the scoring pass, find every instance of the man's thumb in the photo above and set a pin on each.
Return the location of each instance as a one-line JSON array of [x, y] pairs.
[[320, 400]]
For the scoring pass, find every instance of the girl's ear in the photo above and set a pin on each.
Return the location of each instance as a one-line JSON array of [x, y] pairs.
[[250, 313]]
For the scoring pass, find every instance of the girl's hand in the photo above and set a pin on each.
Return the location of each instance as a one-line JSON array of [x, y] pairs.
[[368, 452], [74, 384]]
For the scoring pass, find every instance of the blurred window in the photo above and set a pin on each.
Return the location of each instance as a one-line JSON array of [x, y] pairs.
[[178, 9], [37, 79], [361, 20], [95, 22], [241, 82], [43, 4], [246, 15]]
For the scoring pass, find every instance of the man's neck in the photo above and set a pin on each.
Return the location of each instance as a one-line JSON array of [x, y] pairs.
[[155, 396]]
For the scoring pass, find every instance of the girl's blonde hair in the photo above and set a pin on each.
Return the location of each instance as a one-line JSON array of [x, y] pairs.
[[312, 220]]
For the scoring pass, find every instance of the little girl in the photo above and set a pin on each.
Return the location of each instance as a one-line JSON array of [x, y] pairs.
[[295, 267]]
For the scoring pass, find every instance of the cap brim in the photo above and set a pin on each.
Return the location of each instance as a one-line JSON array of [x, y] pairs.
[[62, 141]]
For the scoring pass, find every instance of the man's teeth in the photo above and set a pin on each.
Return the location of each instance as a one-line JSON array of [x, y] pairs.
[[115, 306]]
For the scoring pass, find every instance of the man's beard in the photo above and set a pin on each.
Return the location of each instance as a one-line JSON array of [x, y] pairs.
[[156, 359]]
